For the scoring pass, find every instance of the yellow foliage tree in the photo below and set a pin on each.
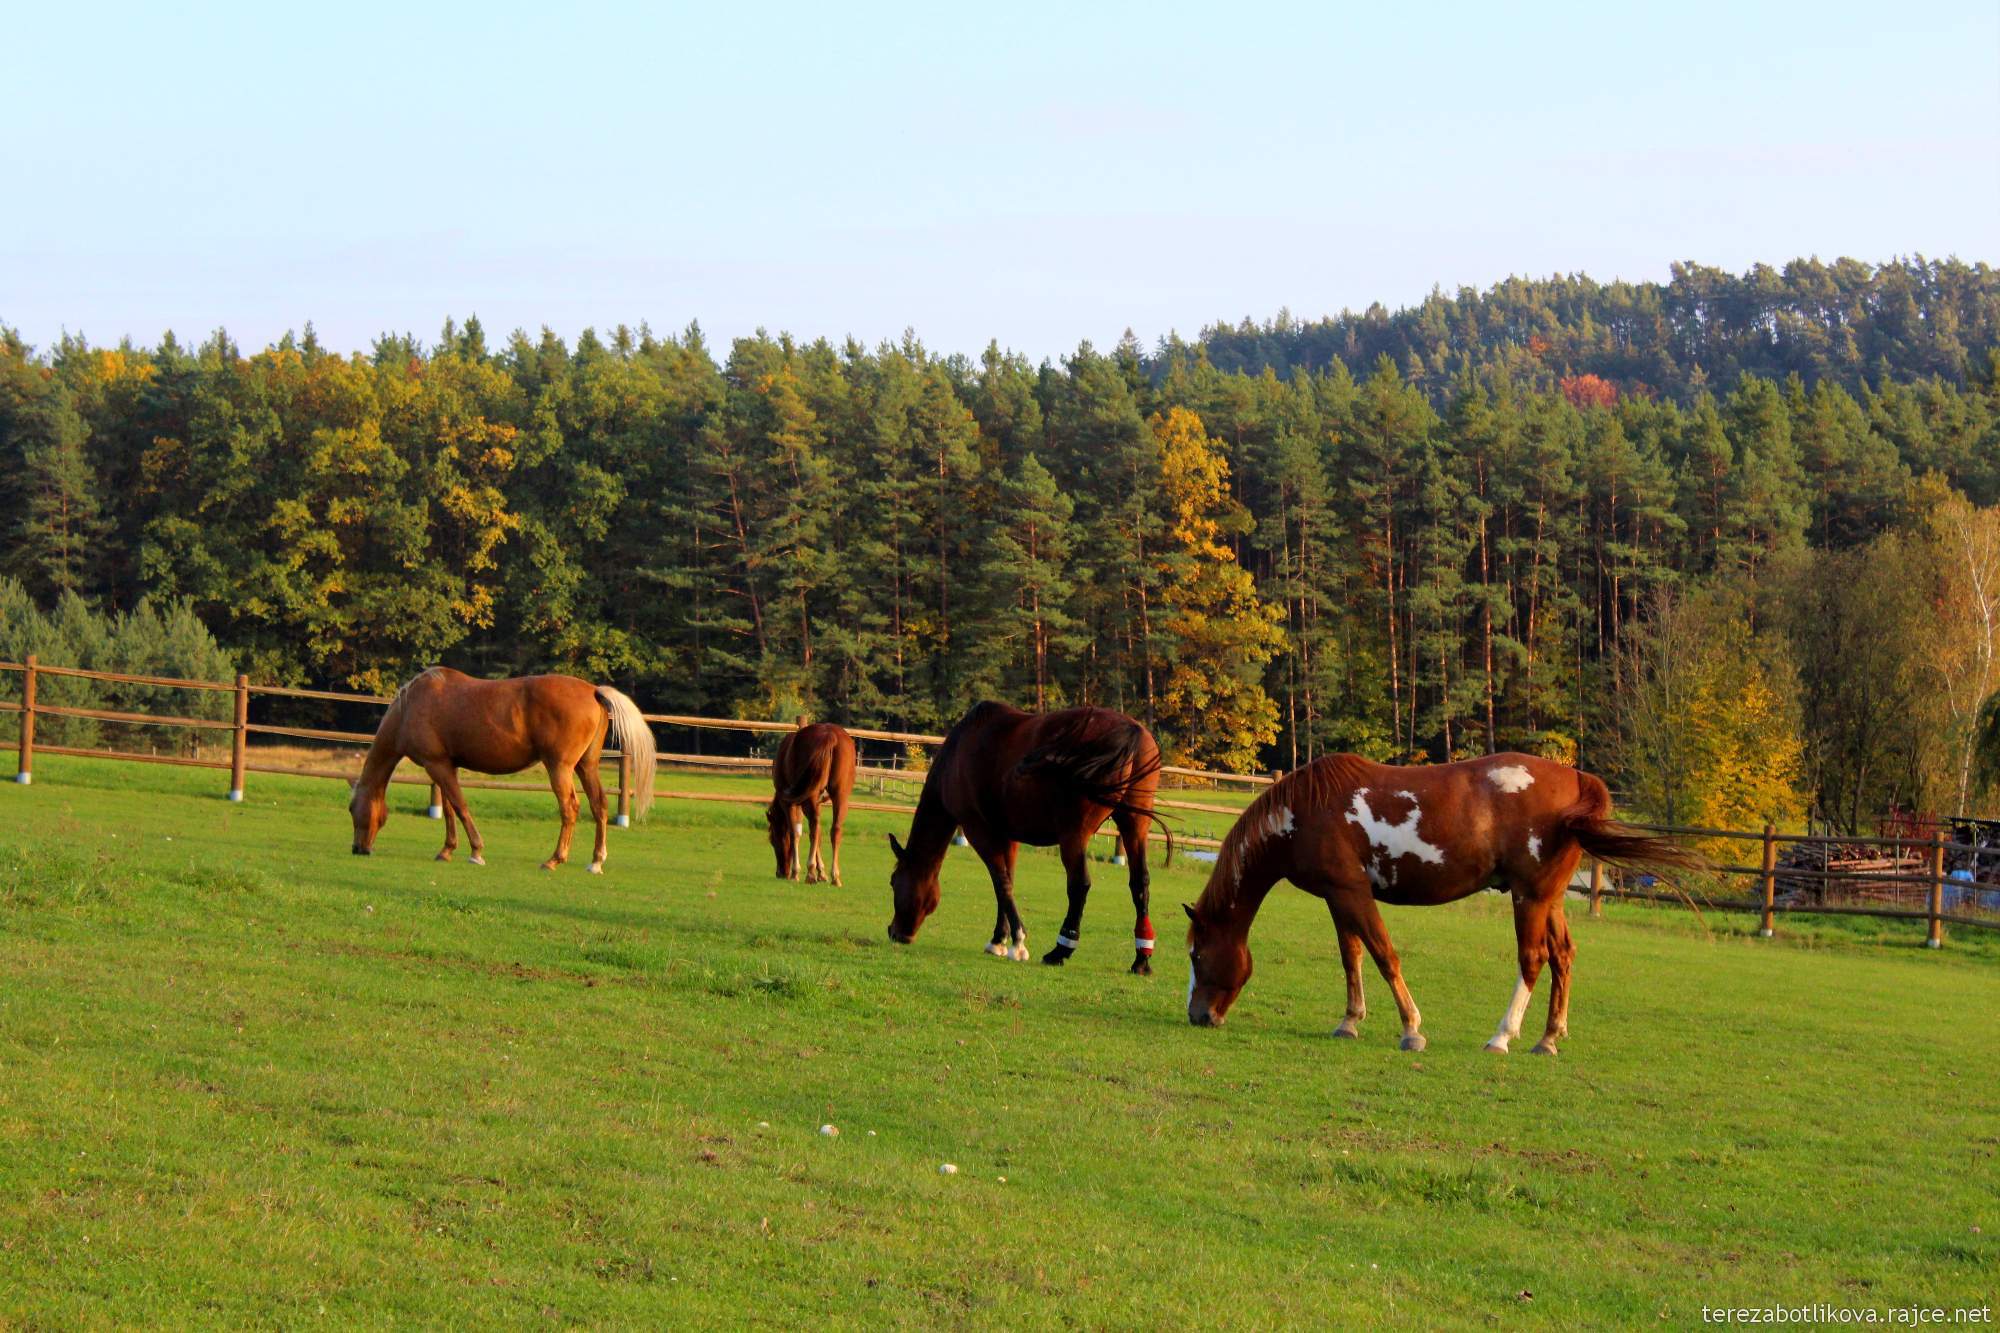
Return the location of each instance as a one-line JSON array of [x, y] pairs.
[[1216, 634]]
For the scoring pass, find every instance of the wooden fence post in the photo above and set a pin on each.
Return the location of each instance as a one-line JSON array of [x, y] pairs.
[[24, 772], [1770, 880], [435, 810], [239, 738], [1596, 887], [624, 819], [1936, 937]]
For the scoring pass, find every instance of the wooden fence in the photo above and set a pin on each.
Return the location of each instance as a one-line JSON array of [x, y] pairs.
[[1765, 875], [241, 761]]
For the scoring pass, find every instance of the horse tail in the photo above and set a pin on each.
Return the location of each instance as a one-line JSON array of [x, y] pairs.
[[1589, 822], [815, 773], [635, 739], [1167, 832], [1100, 770]]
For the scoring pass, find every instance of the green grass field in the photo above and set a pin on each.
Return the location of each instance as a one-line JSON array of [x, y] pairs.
[[246, 1077]]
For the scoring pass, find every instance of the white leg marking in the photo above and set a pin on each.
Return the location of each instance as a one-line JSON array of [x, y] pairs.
[[1510, 1022]]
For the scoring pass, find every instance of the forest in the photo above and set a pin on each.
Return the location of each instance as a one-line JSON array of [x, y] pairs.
[[1731, 541]]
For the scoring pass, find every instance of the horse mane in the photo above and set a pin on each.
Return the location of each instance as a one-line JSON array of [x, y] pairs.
[[1322, 784]]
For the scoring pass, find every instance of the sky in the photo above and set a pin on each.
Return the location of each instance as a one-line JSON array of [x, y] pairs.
[[1032, 174]]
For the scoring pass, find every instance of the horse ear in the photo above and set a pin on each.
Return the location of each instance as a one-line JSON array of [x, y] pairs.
[[1190, 912], [895, 847]]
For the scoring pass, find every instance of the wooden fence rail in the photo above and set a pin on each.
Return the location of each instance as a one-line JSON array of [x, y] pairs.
[[241, 729], [1765, 875]]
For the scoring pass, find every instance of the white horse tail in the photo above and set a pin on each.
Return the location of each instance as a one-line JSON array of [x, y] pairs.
[[635, 739]]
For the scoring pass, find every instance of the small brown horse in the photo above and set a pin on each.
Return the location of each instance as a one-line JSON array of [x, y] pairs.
[[1356, 833], [447, 720], [813, 763], [1047, 779]]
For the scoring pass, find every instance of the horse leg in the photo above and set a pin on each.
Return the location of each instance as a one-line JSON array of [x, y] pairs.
[[445, 775], [1350, 962], [600, 810], [839, 822], [1132, 832], [1076, 866], [1562, 951], [815, 872], [1000, 863], [1365, 919], [566, 805], [450, 833], [1531, 923]]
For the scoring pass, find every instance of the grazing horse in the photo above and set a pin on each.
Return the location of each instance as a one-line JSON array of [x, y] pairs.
[[1356, 833], [447, 720], [814, 762], [1007, 777]]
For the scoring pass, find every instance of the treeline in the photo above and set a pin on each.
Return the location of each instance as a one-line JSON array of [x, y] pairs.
[[1704, 329], [1265, 568]]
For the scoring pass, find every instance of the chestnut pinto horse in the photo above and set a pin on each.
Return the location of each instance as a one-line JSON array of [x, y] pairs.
[[447, 720], [1047, 779], [816, 761], [1356, 833]]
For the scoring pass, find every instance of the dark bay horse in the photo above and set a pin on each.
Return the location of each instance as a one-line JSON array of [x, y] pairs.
[[446, 720], [1356, 833], [813, 763], [1047, 779]]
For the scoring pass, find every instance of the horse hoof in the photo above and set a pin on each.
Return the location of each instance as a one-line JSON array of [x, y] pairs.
[[1498, 1045], [1055, 957], [476, 859], [1543, 1048], [997, 950], [1347, 1032], [1142, 967], [1414, 1042], [1019, 953], [835, 881], [596, 867], [442, 856]]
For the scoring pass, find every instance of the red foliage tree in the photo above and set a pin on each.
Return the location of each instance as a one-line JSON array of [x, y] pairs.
[[1589, 391]]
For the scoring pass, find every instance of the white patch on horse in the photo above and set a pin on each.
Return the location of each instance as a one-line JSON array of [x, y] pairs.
[[1394, 840], [1510, 1022], [1278, 823], [1510, 778], [1534, 847], [1190, 994]]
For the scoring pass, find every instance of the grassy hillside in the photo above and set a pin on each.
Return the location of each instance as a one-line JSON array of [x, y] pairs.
[[246, 1076]]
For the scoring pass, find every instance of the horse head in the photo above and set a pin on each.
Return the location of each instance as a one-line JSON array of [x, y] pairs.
[[915, 891], [784, 836], [370, 808], [1218, 967]]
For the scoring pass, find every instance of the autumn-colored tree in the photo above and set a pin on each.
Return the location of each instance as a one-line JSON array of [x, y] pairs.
[[1216, 631]]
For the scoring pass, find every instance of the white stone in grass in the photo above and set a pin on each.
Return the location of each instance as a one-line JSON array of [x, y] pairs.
[[763, 1124], [830, 1131], [947, 1169]]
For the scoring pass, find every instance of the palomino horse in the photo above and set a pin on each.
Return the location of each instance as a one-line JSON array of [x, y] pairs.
[[814, 762], [1047, 779], [447, 720], [1355, 833]]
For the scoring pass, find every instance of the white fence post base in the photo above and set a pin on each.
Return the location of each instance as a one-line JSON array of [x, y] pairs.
[[1118, 858], [236, 794], [24, 778], [958, 840], [622, 821], [1763, 934], [434, 812], [1934, 944]]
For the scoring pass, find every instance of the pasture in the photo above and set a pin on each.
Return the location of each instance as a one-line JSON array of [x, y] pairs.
[[245, 1076]]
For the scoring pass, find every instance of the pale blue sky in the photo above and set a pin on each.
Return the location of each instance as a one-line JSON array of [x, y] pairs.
[[1037, 174]]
